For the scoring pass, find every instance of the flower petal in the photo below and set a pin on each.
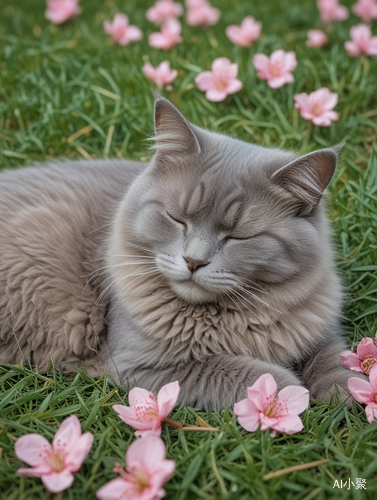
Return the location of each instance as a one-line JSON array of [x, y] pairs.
[[204, 81], [68, 433], [351, 361], [115, 489], [30, 449], [38, 471], [216, 95], [264, 388], [371, 412], [373, 378], [248, 415], [141, 397], [367, 349], [234, 86], [167, 398], [129, 416], [289, 424], [78, 453], [58, 481], [361, 390], [149, 451], [295, 397]]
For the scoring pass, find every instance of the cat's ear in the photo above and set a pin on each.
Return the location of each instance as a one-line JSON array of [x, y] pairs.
[[174, 134], [307, 177]]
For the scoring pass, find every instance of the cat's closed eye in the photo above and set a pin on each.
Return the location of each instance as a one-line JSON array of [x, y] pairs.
[[176, 219]]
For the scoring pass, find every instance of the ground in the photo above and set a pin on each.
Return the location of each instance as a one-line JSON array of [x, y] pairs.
[[67, 91]]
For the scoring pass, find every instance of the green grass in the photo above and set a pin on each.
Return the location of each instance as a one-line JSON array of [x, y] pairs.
[[56, 80]]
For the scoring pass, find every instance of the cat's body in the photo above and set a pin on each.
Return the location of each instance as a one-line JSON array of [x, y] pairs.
[[216, 267]]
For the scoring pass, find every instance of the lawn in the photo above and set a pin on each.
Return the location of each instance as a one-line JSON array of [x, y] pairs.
[[68, 92]]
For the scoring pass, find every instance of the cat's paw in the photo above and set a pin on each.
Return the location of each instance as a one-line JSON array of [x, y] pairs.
[[336, 385]]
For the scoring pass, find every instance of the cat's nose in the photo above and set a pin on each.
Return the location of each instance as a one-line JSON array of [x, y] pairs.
[[194, 264]]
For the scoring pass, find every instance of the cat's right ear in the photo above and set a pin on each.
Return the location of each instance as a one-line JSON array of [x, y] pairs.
[[174, 134]]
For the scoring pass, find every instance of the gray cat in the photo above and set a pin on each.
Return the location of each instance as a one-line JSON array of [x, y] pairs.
[[211, 266]]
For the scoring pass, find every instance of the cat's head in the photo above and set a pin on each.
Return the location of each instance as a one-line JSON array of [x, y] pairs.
[[215, 216]]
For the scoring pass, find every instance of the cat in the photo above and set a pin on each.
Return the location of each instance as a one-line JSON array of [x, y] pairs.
[[211, 265]]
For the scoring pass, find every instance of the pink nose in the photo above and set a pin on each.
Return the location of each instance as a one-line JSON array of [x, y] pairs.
[[194, 264]]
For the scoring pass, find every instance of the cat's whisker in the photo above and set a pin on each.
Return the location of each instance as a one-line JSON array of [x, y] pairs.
[[118, 265], [237, 295], [240, 287], [229, 296], [119, 279], [253, 305], [139, 246]]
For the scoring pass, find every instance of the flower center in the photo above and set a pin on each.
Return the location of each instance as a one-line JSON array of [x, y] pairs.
[[270, 411], [368, 363], [221, 83], [56, 461], [142, 480]]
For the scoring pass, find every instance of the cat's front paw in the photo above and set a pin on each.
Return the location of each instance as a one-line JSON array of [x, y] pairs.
[[336, 383]]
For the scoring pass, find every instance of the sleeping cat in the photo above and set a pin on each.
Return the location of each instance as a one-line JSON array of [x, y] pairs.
[[211, 266]]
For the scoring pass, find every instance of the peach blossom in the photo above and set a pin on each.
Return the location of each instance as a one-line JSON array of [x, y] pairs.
[[277, 69], [317, 106], [244, 35], [145, 413], [162, 75], [169, 36], [362, 42], [363, 359], [330, 10], [366, 9], [121, 31], [272, 410], [55, 463], [201, 13], [366, 392], [316, 38], [147, 471], [59, 11], [219, 82], [163, 10]]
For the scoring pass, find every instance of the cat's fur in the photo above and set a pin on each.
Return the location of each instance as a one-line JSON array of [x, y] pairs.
[[265, 298]]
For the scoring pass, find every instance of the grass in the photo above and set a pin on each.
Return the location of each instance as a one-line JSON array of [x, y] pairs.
[[67, 92]]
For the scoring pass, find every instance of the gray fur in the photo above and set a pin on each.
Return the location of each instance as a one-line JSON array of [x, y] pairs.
[[77, 238]]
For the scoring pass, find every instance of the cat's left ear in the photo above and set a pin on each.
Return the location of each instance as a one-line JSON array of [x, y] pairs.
[[307, 177], [175, 136]]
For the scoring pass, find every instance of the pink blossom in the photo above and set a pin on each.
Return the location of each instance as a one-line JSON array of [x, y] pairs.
[[121, 31], [245, 34], [362, 41], [316, 38], [277, 69], [363, 359], [59, 11], [147, 471], [163, 10], [55, 463], [366, 9], [162, 75], [169, 36], [330, 10], [366, 392], [219, 82], [318, 106], [271, 410], [201, 13], [145, 413]]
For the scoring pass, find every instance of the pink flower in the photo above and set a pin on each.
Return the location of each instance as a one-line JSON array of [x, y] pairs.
[[162, 75], [366, 392], [316, 38], [121, 31], [363, 359], [245, 34], [145, 413], [163, 10], [55, 463], [201, 13], [168, 37], [147, 471], [330, 10], [59, 11], [362, 41], [366, 9], [219, 82], [318, 106], [277, 69], [273, 411]]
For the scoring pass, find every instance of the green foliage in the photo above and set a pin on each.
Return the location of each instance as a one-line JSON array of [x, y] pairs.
[[56, 80]]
